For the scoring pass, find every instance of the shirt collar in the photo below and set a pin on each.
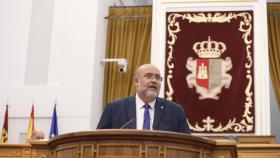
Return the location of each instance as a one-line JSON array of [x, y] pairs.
[[140, 103]]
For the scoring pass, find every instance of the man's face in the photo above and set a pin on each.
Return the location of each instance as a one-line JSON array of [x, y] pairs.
[[148, 82]]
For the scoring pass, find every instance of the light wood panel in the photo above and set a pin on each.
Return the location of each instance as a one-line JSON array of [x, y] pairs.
[[248, 139], [258, 150]]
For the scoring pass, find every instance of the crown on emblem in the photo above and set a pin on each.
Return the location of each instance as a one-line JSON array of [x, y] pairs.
[[209, 49]]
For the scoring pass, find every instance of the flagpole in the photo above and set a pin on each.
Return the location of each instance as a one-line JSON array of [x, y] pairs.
[[55, 101]]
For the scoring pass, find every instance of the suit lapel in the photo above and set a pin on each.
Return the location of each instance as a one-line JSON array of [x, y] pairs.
[[159, 108], [131, 111]]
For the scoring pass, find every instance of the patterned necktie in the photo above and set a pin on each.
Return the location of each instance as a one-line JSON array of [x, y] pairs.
[[146, 123]]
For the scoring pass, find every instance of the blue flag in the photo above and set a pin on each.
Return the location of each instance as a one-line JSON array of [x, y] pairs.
[[54, 128]]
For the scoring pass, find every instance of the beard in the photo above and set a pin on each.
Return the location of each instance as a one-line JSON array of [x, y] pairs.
[[148, 92]]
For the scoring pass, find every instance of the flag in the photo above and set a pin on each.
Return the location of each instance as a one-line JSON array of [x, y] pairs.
[[4, 135], [54, 128], [30, 128]]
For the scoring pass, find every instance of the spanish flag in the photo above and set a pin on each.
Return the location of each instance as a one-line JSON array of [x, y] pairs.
[[4, 135], [30, 128]]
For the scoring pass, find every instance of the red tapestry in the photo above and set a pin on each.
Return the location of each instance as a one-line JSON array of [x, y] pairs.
[[209, 69]]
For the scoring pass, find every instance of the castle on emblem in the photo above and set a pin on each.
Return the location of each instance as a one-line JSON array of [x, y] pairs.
[[209, 71]]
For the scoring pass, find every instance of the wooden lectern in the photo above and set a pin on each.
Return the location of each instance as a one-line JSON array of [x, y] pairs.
[[132, 144]]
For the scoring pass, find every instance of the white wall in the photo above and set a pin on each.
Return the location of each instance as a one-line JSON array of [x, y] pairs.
[[99, 53], [15, 16], [51, 50]]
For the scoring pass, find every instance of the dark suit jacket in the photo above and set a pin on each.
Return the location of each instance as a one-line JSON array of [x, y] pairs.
[[168, 116]]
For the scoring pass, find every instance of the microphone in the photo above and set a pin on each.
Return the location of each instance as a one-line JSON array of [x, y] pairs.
[[127, 123]]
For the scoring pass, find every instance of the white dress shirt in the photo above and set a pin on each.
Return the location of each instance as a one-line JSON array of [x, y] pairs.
[[140, 113]]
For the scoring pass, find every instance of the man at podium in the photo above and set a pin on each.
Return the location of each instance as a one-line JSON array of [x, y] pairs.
[[145, 110]]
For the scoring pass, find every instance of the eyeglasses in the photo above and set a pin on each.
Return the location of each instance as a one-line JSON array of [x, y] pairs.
[[150, 76]]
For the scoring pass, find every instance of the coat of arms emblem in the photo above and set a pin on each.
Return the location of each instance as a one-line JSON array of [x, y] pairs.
[[209, 71]]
